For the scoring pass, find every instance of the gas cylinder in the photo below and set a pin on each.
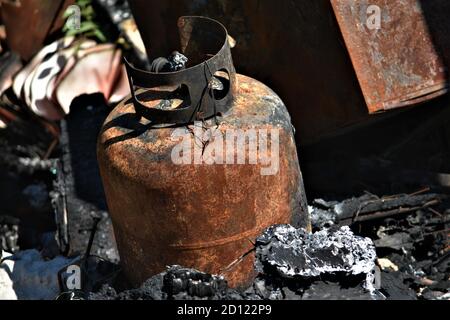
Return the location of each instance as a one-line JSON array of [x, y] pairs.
[[197, 162]]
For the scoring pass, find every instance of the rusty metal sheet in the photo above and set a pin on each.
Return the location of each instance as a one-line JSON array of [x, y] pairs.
[[392, 50], [29, 22]]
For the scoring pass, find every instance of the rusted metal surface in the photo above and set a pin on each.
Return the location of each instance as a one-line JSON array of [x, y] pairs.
[[29, 22], [395, 59], [295, 47], [199, 214], [202, 216]]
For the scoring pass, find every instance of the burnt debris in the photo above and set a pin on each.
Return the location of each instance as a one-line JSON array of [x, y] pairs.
[[177, 283], [417, 248], [292, 265], [367, 207], [332, 263], [78, 198], [25, 181], [289, 253]]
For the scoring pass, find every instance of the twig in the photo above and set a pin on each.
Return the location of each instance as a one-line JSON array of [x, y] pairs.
[[389, 213], [50, 149], [91, 239], [236, 262], [436, 232], [426, 189], [435, 212]]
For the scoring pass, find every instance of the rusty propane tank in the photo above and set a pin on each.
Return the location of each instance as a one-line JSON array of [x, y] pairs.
[[197, 162]]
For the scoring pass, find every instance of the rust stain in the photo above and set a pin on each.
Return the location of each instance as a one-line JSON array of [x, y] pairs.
[[396, 61]]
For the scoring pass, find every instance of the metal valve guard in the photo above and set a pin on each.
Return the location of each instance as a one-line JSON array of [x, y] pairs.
[[205, 41]]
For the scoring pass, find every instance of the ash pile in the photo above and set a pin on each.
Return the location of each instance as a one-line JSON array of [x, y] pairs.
[[292, 264]]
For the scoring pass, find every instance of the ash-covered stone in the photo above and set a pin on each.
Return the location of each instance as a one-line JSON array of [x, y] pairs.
[[183, 281], [289, 252], [323, 214], [322, 218], [151, 289], [396, 241], [177, 283]]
